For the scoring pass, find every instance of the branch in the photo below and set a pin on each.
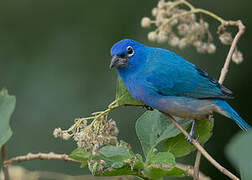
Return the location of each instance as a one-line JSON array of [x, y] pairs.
[[5, 169], [196, 166], [241, 28], [41, 156], [60, 176], [53, 156], [203, 151], [21, 173]]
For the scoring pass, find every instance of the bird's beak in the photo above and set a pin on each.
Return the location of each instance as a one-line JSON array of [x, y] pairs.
[[118, 62]]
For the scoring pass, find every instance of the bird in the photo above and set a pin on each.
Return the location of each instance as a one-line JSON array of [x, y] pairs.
[[165, 81]]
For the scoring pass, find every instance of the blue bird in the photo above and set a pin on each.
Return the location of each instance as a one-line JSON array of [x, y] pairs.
[[165, 81]]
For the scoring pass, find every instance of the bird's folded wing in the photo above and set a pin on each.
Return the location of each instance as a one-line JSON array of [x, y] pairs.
[[170, 75]]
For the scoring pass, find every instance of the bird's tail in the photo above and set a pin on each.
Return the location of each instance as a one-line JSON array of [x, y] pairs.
[[225, 109]]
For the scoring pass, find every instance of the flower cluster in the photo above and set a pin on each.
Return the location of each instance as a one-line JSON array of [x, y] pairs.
[[93, 136], [177, 26], [176, 22]]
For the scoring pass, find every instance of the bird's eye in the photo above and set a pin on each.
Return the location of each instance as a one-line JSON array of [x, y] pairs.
[[130, 51]]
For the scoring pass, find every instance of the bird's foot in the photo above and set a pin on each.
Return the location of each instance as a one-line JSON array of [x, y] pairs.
[[148, 108], [190, 138]]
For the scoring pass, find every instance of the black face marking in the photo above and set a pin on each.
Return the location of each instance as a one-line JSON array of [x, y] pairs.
[[227, 94]]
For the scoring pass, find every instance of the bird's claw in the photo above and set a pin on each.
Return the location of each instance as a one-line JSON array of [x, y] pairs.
[[148, 108], [190, 138]]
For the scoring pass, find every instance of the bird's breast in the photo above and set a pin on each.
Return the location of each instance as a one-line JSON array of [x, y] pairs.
[[136, 90]]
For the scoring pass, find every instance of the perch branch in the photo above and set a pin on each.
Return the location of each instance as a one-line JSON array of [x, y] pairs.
[[203, 151], [5, 169]]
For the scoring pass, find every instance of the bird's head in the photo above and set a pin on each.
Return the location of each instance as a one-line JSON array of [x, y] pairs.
[[127, 55]]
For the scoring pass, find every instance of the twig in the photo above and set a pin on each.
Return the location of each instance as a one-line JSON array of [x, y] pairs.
[[42, 156], [196, 166], [203, 151], [5, 169], [241, 30]]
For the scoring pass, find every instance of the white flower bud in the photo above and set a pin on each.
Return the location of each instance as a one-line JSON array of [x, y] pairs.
[[197, 43], [182, 43], [174, 41], [152, 36], [202, 48], [66, 136], [162, 37], [161, 13], [154, 11], [183, 29], [146, 22], [226, 38], [237, 57], [57, 132], [161, 4], [211, 48], [195, 26]]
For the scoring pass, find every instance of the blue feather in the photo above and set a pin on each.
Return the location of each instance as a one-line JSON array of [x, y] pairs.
[[228, 111], [178, 77], [165, 81]]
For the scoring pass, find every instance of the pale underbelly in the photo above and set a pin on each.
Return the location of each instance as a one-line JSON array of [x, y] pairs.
[[181, 106]]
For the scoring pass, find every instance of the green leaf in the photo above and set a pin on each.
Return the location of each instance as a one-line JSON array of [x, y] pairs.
[[176, 172], [82, 155], [103, 166], [117, 164], [7, 106], [118, 153], [160, 164], [116, 161], [153, 127], [179, 146], [123, 96], [166, 158], [122, 171], [239, 152], [156, 172]]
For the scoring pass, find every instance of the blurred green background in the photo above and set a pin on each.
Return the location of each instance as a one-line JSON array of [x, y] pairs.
[[54, 56]]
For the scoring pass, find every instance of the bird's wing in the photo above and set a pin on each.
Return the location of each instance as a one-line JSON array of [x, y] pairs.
[[170, 75]]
